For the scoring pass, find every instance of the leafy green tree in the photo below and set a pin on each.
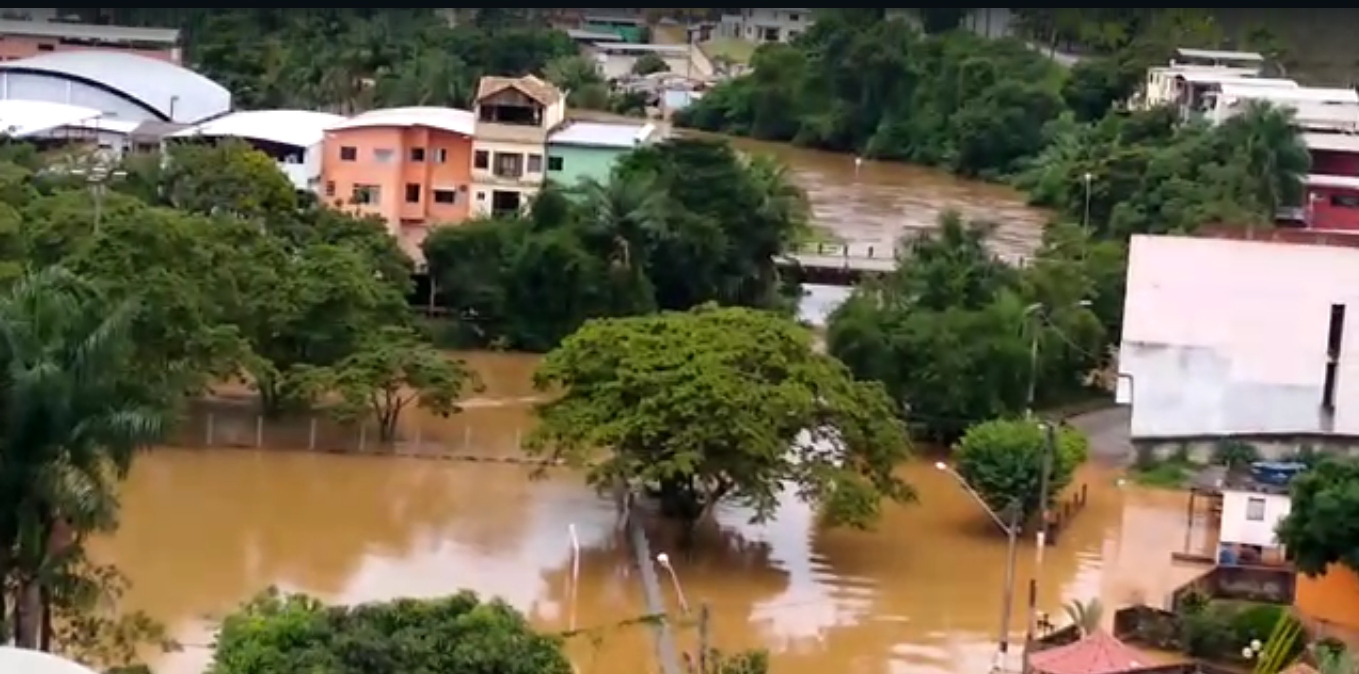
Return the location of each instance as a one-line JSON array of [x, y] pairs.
[[277, 633], [1003, 461], [79, 409], [227, 177], [649, 63], [720, 404], [679, 224], [391, 370], [349, 60], [950, 332], [1322, 529]]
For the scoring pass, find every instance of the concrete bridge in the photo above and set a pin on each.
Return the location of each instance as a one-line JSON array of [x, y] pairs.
[[846, 264]]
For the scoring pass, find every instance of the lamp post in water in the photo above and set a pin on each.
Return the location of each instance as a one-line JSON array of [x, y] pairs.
[[1011, 529]]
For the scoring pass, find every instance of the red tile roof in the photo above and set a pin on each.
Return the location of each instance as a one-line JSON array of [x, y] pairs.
[[1098, 653]]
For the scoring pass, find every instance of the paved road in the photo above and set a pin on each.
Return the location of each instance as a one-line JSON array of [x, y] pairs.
[[1108, 433]]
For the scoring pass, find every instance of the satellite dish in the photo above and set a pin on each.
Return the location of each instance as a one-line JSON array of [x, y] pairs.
[[23, 661]]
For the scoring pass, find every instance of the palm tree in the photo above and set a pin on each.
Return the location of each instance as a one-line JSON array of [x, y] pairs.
[[1276, 161], [72, 414], [1086, 616], [624, 216]]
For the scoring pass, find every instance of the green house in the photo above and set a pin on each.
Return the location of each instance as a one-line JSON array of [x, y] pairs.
[[589, 149]]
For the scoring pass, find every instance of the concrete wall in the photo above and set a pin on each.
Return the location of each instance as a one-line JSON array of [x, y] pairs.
[[1225, 337], [1237, 527]]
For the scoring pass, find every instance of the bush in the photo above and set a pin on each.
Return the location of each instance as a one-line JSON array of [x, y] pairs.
[[1003, 459]]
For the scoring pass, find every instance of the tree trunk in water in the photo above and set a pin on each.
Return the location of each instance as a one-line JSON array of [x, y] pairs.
[[45, 638], [28, 618]]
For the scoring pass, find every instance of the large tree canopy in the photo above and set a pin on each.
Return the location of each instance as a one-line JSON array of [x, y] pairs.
[[276, 633], [680, 223], [1323, 526], [720, 404]]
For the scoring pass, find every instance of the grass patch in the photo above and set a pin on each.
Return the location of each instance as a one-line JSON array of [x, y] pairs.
[[1169, 474], [731, 49]]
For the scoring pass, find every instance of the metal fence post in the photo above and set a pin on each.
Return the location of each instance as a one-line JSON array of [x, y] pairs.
[[311, 434], [259, 431], [209, 430]]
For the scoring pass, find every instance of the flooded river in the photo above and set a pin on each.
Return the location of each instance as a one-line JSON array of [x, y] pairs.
[[204, 529], [878, 202]]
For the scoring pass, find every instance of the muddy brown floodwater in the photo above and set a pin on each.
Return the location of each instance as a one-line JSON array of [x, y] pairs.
[[878, 202], [204, 529]]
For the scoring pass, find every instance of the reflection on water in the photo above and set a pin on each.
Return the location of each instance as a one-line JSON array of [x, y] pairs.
[[204, 529], [878, 202], [819, 301]]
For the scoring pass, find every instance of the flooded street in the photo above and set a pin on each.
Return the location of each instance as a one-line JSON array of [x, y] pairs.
[[204, 529], [878, 202]]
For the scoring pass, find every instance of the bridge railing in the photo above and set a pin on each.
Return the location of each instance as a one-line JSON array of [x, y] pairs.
[[878, 251]]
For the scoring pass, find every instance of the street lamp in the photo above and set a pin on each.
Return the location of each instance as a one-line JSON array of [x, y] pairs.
[[664, 560], [1011, 530], [98, 178], [1085, 222]]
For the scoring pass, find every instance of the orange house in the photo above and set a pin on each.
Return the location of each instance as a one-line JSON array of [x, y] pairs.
[[411, 167]]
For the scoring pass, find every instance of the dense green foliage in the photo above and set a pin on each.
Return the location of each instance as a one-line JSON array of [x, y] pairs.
[[276, 633], [1323, 526], [115, 309], [720, 404], [1003, 461], [952, 332], [856, 83], [680, 224], [355, 59]]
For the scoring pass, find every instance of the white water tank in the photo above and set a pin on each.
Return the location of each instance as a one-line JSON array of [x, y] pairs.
[[21, 661]]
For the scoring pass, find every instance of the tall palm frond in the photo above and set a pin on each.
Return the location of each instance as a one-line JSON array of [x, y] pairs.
[[1085, 615], [625, 213]]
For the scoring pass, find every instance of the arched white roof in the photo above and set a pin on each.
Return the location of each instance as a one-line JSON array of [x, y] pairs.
[[19, 118], [301, 128], [171, 92], [20, 661], [447, 119]]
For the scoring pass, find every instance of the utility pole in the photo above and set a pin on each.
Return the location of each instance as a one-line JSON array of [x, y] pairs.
[[1007, 605], [1033, 314], [704, 637], [1049, 450]]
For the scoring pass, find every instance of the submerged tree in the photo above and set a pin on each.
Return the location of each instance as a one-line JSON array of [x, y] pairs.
[[720, 404]]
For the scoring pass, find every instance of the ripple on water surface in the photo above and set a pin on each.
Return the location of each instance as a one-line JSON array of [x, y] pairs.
[[922, 592]]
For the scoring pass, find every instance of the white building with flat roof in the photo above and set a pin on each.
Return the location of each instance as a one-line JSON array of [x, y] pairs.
[[1239, 338], [293, 138]]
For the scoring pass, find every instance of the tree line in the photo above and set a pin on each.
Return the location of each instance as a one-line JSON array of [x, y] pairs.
[[858, 82], [121, 302]]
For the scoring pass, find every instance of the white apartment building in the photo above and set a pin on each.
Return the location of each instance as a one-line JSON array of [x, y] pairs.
[[765, 25], [514, 116], [1239, 338]]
